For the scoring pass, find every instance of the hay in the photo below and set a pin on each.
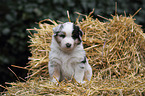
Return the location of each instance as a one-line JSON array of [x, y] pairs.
[[42, 86], [115, 50], [114, 46]]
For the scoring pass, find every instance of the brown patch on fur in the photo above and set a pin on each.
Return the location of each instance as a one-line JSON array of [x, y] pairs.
[[86, 74], [56, 73]]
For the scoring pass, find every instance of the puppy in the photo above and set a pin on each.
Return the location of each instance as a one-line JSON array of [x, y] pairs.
[[67, 57]]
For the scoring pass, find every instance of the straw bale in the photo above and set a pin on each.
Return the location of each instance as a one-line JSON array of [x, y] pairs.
[[40, 43], [114, 48], [116, 52]]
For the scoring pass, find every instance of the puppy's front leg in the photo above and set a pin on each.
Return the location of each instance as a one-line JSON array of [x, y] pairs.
[[54, 72], [79, 72], [88, 72]]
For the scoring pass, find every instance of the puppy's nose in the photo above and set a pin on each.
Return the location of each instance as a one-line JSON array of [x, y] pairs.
[[68, 45]]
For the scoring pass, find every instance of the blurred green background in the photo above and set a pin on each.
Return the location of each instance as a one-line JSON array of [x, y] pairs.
[[18, 15]]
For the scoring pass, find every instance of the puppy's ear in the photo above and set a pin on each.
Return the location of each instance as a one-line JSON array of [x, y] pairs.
[[78, 30], [81, 32], [57, 29]]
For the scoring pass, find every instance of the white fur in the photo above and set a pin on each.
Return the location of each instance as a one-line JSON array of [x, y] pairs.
[[66, 62]]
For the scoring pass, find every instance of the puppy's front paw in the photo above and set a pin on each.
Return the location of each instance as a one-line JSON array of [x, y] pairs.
[[54, 81], [82, 82]]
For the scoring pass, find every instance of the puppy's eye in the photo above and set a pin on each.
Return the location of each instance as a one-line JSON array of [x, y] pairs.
[[62, 35]]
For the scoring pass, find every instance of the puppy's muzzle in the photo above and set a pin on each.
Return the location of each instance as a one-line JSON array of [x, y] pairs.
[[68, 45]]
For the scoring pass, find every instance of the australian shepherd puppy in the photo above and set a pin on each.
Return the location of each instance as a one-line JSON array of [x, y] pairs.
[[67, 57]]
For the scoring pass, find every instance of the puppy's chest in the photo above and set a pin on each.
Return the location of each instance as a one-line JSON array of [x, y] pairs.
[[69, 62], [68, 65]]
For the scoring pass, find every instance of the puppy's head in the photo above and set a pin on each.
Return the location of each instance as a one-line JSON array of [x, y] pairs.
[[68, 36]]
